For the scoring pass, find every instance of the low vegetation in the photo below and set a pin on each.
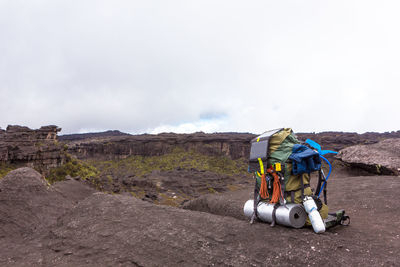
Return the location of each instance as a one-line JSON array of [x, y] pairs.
[[5, 168], [178, 159], [130, 175], [74, 168]]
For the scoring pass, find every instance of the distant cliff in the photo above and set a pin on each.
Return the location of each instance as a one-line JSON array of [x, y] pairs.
[[41, 149], [233, 145], [74, 137]]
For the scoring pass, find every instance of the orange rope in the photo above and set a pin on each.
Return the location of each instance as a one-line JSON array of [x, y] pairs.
[[276, 192], [263, 188]]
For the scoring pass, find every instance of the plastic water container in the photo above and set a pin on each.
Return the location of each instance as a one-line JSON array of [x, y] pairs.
[[315, 218]]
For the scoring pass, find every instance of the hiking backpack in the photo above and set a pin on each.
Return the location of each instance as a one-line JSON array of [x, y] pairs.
[[281, 166]]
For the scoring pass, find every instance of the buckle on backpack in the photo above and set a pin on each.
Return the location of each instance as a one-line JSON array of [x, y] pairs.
[[278, 167]]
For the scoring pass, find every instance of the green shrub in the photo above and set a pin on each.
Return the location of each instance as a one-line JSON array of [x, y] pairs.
[[74, 168]]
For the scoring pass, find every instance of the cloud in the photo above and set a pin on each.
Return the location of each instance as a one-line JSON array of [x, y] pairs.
[[151, 66], [208, 126]]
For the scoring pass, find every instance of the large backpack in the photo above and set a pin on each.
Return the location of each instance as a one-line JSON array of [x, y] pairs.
[[281, 166]]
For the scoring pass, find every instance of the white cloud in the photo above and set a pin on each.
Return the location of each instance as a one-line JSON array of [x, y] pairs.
[[151, 66], [190, 127]]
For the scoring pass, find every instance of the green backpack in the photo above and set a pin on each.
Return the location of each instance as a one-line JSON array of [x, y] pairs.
[[269, 159]]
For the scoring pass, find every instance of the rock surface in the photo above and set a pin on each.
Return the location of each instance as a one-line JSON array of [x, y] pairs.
[[174, 187], [110, 230], [28, 204], [233, 145], [379, 158], [74, 137], [339, 140], [34, 148], [69, 224], [226, 204]]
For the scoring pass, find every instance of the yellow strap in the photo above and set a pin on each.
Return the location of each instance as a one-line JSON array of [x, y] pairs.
[[258, 139], [278, 167], [261, 165]]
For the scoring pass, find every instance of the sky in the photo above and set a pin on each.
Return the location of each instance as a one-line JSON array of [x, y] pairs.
[[210, 65]]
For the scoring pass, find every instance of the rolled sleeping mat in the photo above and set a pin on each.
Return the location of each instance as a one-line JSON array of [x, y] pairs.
[[293, 215]]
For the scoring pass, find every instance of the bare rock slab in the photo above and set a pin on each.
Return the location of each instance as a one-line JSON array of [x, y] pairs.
[[380, 158]]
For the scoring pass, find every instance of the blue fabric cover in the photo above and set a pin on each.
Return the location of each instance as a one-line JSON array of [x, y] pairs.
[[318, 147], [304, 160]]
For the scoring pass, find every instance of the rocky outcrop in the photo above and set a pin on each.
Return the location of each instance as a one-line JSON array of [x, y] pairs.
[[233, 145], [379, 158], [34, 148], [339, 140], [40, 148], [72, 137]]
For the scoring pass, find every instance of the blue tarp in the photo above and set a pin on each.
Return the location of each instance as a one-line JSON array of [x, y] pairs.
[[304, 159]]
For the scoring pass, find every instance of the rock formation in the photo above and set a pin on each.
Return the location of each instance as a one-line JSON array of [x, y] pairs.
[[40, 148], [233, 145], [379, 158], [72, 137], [339, 140], [34, 148]]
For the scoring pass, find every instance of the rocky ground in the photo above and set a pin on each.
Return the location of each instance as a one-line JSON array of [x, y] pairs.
[[69, 224], [108, 213]]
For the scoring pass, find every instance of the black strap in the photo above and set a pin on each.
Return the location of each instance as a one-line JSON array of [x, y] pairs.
[[256, 200], [274, 214], [325, 184], [291, 193], [302, 187], [319, 182], [283, 186]]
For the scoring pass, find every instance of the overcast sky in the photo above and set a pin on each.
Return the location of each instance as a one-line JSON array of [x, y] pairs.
[[212, 66]]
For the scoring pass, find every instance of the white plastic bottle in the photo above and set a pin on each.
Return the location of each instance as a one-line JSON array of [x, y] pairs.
[[315, 218]]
